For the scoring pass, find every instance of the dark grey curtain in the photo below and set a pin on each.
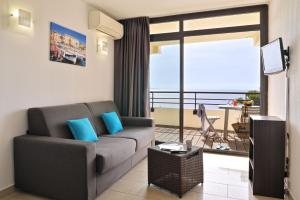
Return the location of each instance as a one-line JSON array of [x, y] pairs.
[[131, 80]]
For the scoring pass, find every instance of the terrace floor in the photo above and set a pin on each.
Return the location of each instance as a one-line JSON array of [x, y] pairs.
[[171, 134]]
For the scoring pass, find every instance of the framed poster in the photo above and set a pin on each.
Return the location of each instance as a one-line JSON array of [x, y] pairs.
[[67, 46]]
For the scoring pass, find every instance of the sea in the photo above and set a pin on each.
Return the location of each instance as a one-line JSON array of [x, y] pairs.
[[211, 99]]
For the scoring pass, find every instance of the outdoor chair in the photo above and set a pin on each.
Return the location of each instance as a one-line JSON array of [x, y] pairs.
[[207, 123]]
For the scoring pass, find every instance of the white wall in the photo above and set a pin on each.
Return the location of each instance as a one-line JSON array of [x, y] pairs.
[[29, 79], [284, 18]]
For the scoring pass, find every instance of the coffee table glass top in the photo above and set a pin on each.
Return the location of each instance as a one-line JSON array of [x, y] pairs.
[[183, 154]]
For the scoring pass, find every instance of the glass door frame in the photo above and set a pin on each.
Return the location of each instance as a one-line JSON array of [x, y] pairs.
[[181, 34]]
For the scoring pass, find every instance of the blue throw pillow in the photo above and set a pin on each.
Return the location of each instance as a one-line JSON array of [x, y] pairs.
[[83, 130], [112, 122]]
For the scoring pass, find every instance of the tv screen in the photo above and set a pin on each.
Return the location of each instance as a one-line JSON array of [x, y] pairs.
[[273, 57]]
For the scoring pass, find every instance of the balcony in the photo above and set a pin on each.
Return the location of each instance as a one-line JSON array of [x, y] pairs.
[[165, 111]]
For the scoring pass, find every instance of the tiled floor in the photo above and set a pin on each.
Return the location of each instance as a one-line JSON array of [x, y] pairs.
[[225, 178]]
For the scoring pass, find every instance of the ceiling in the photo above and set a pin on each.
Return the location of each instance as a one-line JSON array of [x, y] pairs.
[[121, 9]]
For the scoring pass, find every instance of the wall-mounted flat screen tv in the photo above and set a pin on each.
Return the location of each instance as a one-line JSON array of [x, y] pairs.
[[273, 57]]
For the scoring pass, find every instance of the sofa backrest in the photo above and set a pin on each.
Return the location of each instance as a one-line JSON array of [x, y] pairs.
[[99, 107], [51, 121]]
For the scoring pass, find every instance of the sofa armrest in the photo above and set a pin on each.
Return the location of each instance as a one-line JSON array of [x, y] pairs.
[[138, 121], [55, 167]]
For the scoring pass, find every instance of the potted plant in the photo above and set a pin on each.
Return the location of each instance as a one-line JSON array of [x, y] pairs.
[[254, 96]]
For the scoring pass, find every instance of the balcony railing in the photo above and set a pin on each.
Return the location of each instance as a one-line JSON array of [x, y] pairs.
[[193, 98]]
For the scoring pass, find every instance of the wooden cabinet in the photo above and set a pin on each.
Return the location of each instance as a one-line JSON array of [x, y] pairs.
[[267, 156]]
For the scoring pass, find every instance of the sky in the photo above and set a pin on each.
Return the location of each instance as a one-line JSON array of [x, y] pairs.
[[63, 30], [229, 65]]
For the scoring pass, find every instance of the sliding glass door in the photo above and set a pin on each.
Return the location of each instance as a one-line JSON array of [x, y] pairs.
[[165, 89], [218, 68], [196, 58]]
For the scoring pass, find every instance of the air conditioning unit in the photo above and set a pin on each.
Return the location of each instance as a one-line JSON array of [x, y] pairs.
[[103, 23]]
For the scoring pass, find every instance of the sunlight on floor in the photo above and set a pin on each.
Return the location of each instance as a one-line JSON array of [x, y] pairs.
[[225, 178]]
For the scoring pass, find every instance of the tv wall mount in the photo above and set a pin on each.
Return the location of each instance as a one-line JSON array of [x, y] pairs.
[[286, 54]]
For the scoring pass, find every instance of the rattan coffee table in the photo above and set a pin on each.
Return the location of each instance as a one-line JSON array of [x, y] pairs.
[[177, 173]]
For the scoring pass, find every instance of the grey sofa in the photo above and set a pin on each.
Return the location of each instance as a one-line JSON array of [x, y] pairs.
[[50, 163]]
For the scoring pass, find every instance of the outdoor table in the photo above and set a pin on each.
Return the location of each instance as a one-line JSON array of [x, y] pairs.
[[226, 119]]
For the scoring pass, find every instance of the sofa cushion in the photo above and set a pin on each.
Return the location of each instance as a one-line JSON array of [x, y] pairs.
[[82, 129], [110, 152], [51, 121], [142, 135], [98, 108], [112, 122]]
